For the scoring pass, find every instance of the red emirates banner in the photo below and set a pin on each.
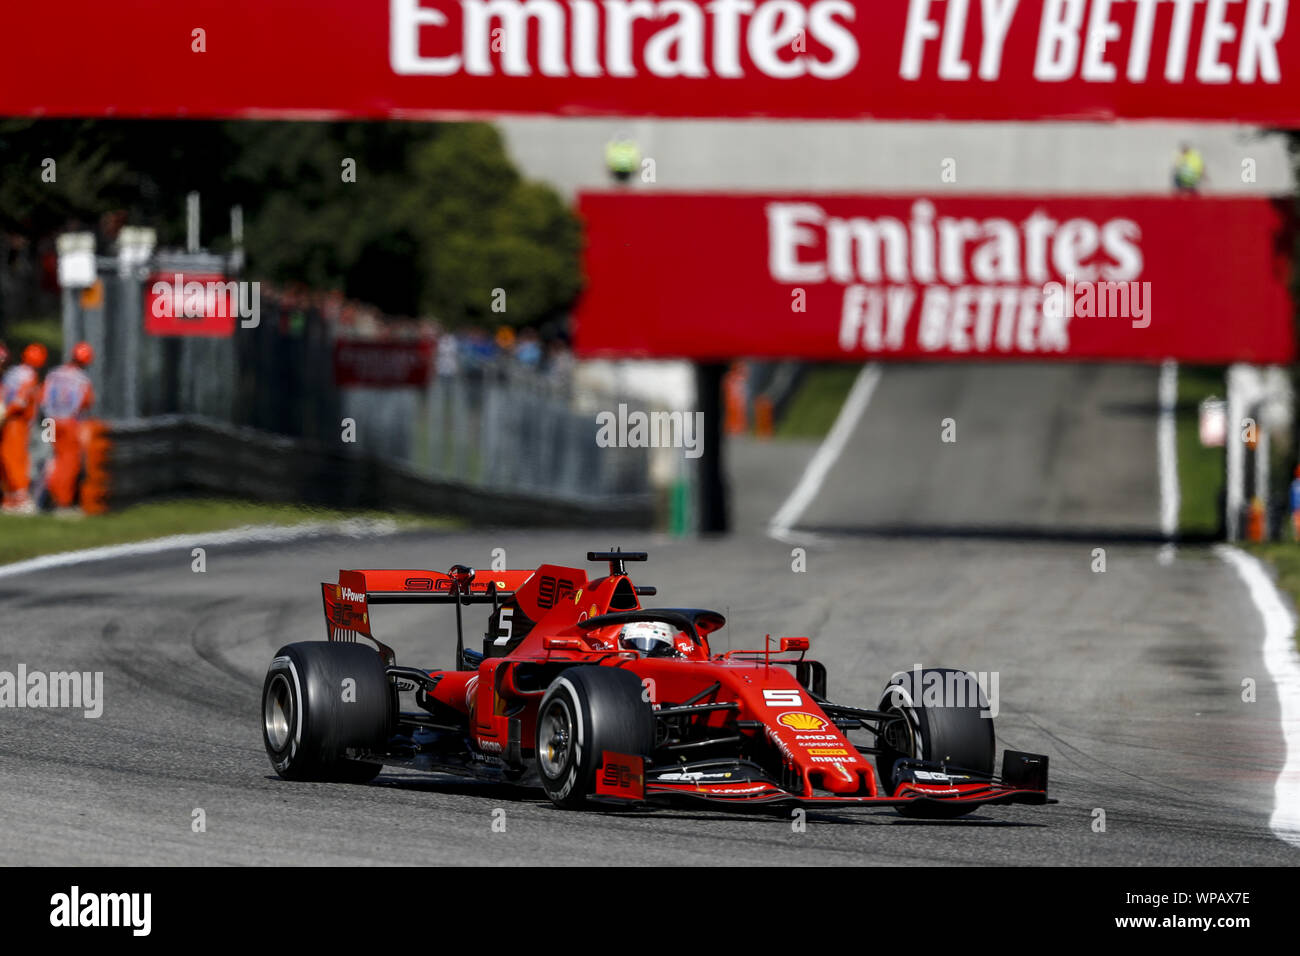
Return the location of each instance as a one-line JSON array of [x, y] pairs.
[[709, 276], [388, 364], [1233, 60]]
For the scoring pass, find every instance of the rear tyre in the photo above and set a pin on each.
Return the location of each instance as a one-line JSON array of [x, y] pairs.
[[322, 705], [588, 710], [939, 710]]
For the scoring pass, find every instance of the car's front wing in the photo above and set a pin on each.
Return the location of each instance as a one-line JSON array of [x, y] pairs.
[[757, 793]]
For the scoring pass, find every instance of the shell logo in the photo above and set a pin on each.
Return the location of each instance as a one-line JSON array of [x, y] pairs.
[[798, 720]]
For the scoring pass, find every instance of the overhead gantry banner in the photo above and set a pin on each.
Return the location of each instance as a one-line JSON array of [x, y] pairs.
[[1233, 60], [709, 276]]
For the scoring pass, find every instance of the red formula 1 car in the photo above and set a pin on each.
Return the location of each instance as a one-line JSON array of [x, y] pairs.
[[600, 700]]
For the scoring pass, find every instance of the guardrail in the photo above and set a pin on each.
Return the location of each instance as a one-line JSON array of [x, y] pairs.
[[185, 454]]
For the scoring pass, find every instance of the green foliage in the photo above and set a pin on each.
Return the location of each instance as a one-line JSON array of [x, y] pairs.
[[435, 221], [142, 167], [48, 332], [486, 229], [1201, 474]]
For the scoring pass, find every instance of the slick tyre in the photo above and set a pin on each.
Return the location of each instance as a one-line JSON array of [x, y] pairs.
[[321, 700], [588, 710], [939, 710]]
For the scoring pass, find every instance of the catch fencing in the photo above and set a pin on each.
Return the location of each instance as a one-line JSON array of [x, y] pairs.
[[495, 427]]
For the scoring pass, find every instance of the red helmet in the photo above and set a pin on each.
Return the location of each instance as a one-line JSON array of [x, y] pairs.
[[83, 354], [35, 355]]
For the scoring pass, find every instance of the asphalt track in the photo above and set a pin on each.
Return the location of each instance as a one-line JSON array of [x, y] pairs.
[[924, 553]]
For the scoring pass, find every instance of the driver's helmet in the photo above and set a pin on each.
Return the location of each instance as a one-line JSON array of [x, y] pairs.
[[651, 638]]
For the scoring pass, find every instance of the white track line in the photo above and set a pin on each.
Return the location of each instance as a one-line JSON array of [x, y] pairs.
[[1283, 663], [271, 534], [820, 463]]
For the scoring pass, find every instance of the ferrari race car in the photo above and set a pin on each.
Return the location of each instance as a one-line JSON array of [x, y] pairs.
[[580, 688]]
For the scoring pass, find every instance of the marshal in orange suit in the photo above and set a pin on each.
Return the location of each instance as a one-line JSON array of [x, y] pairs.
[[67, 395], [20, 391]]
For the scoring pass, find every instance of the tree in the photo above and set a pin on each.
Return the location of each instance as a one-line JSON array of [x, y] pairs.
[[427, 219], [486, 229], [410, 217]]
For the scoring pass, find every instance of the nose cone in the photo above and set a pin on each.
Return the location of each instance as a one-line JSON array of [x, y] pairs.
[[841, 778]]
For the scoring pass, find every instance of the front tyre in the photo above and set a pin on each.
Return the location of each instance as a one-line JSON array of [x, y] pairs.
[[938, 711], [322, 705], [588, 710]]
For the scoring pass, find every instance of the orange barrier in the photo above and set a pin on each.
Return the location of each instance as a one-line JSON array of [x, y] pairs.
[[763, 417], [1255, 524], [95, 481]]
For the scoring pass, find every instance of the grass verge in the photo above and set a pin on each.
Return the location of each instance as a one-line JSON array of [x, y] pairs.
[[49, 332], [1284, 556], [1200, 470], [814, 407], [1201, 476], [28, 536]]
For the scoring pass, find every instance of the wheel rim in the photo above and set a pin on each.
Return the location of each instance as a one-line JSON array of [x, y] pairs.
[[277, 712], [899, 734], [554, 740]]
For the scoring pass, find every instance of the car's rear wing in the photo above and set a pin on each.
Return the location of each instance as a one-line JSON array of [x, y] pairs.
[[395, 586], [347, 603]]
